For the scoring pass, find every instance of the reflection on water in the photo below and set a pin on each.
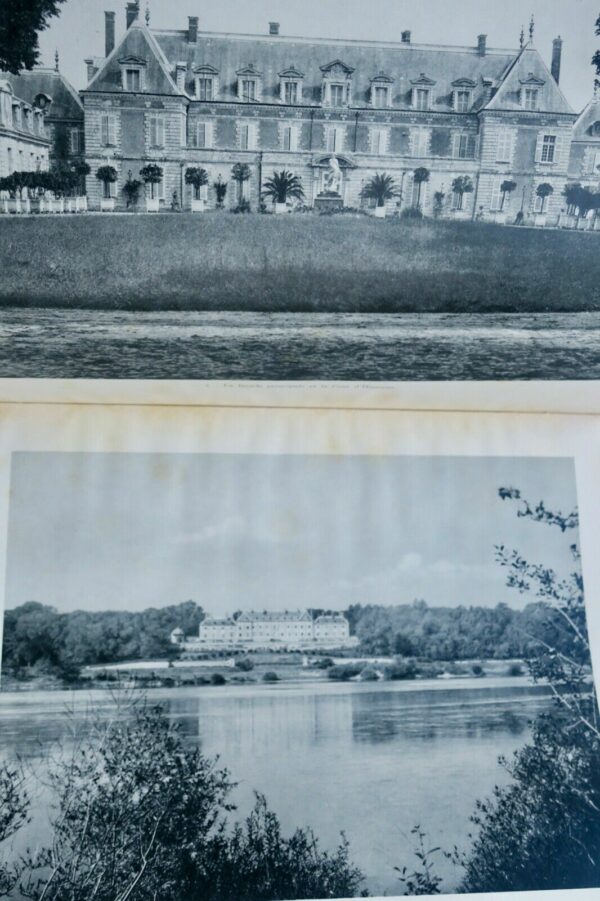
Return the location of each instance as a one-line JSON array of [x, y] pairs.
[[371, 760]]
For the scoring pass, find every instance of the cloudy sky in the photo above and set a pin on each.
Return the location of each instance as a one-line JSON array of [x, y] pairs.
[[109, 531], [79, 32]]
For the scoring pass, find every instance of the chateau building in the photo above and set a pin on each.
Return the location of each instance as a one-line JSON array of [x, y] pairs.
[[24, 142], [295, 628], [191, 98], [48, 92]]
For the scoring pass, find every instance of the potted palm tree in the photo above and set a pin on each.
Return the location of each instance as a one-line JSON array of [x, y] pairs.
[[197, 178], [108, 176], [380, 188], [542, 191], [240, 172], [152, 175], [506, 188], [420, 177], [282, 186]]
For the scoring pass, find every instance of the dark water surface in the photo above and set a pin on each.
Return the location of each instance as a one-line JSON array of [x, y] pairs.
[[373, 760], [292, 346]]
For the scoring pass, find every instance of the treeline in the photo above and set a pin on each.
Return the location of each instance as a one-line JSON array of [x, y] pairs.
[[455, 633], [39, 640]]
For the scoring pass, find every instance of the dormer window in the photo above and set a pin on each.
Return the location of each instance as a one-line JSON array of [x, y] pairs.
[[531, 90], [337, 84], [132, 74], [17, 122], [249, 84], [381, 91], [290, 86], [207, 82], [421, 92], [462, 95]]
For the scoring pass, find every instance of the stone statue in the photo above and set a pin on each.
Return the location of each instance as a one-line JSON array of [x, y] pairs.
[[333, 177]]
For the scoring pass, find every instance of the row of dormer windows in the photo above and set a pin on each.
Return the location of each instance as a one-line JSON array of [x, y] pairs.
[[20, 116]]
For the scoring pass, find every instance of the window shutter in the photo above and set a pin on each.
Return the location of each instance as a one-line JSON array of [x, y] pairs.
[[471, 146], [105, 130], [538, 148]]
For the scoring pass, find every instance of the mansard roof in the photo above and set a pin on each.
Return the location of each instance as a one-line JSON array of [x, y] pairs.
[[529, 69], [137, 43], [28, 85], [212, 621], [584, 130], [400, 61], [251, 616]]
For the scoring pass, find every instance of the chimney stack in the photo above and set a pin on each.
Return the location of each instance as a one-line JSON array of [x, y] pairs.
[[273, 27], [481, 44], [192, 29], [91, 69], [556, 57], [132, 11], [406, 37], [109, 33]]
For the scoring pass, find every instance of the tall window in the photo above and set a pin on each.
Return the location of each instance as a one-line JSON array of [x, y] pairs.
[[530, 98], [290, 92], [422, 98], [380, 96], [133, 81], [496, 195], [248, 136], [201, 135], [548, 148], [420, 142], [249, 89], [9, 159], [205, 89], [464, 147], [109, 130], [244, 137], [286, 137], [335, 139], [462, 101], [504, 147], [74, 140], [379, 140], [157, 131], [336, 94]]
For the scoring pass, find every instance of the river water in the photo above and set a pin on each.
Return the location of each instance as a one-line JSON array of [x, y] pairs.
[[54, 343], [372, 760]]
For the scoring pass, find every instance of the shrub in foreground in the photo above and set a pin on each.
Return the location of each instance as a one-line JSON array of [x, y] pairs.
[[139, 815]]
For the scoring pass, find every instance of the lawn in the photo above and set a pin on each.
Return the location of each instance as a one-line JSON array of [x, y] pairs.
[[303, 262]]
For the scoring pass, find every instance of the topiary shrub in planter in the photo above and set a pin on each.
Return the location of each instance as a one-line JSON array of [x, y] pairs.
[[507, 187], [152, 175], [461, 186], [108, 176], [197, 177], [241, 172], [542, 191]]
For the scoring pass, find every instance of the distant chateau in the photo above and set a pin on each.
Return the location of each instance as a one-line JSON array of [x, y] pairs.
[[288, 629]]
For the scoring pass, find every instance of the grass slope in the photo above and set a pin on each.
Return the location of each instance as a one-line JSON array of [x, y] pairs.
[[294, 263]]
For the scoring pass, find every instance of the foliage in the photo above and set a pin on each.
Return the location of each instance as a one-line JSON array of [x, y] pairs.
[[507, 187], [242, 207], [244, 664], [283, 185], [583, 198], [152, 175], [420, 176], [596, 57], [463, 184], [544, 189], [241, 172], [131, 189], [218, 679], [270, 676], [36, 635], [438, 203], [139, 815], [220, 188], [422, 881], [20, 22], [380, 188], [344, 671], [412, 212], [197, 177], [542, 831], [107, 175], [14, 808]]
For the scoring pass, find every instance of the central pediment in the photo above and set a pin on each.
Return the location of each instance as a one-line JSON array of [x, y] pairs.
[[337, 67]]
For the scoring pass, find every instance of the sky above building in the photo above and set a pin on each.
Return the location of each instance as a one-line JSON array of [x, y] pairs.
[[79, 32], [129, 531]]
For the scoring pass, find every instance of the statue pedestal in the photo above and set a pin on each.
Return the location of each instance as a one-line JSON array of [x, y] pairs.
[[329, 201]]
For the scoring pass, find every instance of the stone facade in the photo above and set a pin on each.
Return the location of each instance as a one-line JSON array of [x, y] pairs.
[[295, 629], [24, 142], [191, 98]]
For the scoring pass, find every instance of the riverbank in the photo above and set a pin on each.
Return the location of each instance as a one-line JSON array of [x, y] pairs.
[[300, 263]]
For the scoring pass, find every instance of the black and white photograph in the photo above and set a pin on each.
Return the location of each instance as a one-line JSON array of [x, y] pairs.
[[291, 676], [299, 190]]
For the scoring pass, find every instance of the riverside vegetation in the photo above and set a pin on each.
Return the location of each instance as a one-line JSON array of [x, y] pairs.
[[303, 262], [137, 815]]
